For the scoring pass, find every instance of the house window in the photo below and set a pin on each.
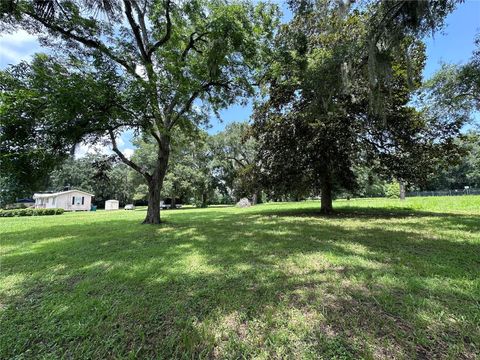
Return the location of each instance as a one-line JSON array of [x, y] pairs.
[[73, 200], [83, 200]]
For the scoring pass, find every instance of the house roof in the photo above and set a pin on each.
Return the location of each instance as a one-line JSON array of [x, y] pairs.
[[25, 201], [45, 195]]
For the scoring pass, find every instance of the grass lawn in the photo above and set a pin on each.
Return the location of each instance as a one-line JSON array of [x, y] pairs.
[[380, 279]]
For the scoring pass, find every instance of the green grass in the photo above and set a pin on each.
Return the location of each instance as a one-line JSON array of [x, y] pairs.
[[380, 279]]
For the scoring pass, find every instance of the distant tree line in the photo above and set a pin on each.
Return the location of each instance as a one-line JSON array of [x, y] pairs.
[[223, 168]]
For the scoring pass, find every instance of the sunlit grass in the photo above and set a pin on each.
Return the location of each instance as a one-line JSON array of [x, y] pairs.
[[379, 279]]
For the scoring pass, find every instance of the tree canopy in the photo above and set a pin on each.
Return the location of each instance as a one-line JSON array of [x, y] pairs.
[[317, 121], [167, 65], [340, 88]]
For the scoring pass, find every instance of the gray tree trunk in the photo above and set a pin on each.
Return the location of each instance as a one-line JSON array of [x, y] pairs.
[[153, 211], [402, 190], [155, 183]]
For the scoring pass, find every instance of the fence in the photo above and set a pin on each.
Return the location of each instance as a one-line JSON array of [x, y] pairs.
[[444, 192]]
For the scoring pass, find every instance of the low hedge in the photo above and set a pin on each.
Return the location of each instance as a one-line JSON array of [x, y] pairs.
[[30, 212]]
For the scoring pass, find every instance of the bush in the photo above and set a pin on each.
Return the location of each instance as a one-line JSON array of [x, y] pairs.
[[30, 212], [392, 190]]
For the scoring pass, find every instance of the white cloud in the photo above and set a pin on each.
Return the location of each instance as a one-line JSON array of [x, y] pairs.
[[141, 71], [18, 37], [104, 147], [84, 149], [128, 153], [17, 47]]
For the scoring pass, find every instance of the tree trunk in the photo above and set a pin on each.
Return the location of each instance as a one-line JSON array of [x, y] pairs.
[[326, 197], [204, 200], [174, 203], [259, 197], [254, 199], [402, 190], [155, 182], [153, 211]]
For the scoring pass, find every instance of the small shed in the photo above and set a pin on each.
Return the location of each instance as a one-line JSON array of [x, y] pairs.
[[111, 205]]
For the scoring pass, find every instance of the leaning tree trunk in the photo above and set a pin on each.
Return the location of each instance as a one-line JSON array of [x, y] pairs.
[[326, 196]]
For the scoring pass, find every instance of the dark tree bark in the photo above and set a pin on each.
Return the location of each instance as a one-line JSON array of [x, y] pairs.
[[155, 182], [326, 196], [204, 200], [174, 203], [259, 197], [153, 211]]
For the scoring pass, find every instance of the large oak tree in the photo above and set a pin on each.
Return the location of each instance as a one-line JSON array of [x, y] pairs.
[[169, 65], [320, 116]]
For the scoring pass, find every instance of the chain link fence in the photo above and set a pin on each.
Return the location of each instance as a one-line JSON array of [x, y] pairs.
[[444, 192]]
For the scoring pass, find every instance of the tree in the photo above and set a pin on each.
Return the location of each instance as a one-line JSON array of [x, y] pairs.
[[389, 23], [235, 151], [168, 64], [454, 90], [189, 171], [466, 172], [26, 158], [316, 122], [95, 173]]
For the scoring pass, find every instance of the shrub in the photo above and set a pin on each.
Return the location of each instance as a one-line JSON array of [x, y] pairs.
[[30, 212], [392, 190], [6, 213]]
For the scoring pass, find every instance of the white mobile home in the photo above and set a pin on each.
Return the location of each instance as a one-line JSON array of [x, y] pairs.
[[112, 205], [71, 200]]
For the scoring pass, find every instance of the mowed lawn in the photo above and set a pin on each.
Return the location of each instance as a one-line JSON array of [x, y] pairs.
[[380, 279]]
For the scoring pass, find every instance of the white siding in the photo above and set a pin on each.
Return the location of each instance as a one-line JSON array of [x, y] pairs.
[[64, 201], [111, 205]]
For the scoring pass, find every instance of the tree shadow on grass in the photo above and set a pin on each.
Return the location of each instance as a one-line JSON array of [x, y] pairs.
[[451, 220], [239, 285]]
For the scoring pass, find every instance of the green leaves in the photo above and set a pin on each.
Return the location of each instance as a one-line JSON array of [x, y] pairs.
[[317, 121]]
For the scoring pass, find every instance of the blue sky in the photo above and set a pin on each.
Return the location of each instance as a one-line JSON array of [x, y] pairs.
[[453, 45]]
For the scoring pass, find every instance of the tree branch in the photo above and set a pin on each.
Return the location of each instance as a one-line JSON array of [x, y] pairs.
[[130, 163], [238, 161], [135, 29], [191, 44], [168, 32], [193, 97], [141, 21], [91, 43]]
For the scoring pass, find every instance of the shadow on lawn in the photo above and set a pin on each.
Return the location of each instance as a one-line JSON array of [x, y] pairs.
[[229, 286]]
